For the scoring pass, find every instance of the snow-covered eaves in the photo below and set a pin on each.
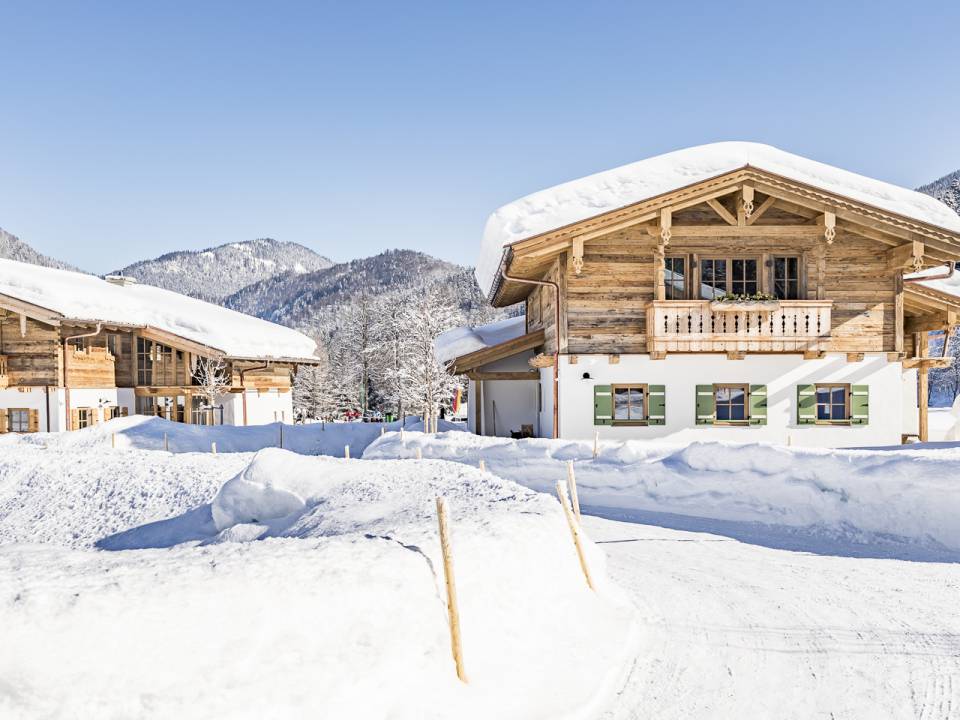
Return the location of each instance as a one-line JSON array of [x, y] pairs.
[[77, 297], [461, 342], [946, 289], [594, 195]]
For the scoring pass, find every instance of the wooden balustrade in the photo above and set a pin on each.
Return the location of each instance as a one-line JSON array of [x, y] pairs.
[[694, 326]]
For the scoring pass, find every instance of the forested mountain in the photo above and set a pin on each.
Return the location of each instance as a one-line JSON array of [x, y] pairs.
[[946, 189], [13, 248], [215, 273]]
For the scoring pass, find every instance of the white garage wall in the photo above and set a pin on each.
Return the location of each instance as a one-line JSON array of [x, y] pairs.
[[680, 374]]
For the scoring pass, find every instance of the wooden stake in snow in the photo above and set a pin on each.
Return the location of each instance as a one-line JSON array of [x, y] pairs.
[[166, 445], [574, 531], [382, 430], [346, 451], [113, 440], [572, 485], [401, 433], [419, 454], [281, 436], [453, 612], [596, 443], [213, 448], [483, 465]]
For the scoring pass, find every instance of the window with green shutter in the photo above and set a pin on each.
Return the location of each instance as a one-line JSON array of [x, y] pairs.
[[806, 404], [758, 404], [602, 405], [860, 404], [705, 406], [657, 405]]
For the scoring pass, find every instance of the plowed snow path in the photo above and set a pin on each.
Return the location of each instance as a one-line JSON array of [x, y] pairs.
[[741, 631]]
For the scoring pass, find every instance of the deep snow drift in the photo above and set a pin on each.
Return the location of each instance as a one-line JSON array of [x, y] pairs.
[[860, 495], [339, 612]]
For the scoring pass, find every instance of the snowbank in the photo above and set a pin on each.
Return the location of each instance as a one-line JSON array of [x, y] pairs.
[[78, 296], [340, 612], [594, 195], [908, 493], [147, 433], [463, 340]]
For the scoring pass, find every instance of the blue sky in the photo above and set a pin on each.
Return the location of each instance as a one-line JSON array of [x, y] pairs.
[[133, 129]]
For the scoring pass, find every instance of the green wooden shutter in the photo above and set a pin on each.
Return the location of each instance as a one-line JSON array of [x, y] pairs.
[[758, 404], [806, 404], [859, 404], [706, 408], [602, 405], [657, 405]]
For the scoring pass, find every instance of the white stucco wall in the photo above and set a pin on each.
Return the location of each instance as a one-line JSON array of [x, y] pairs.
[[262, 408], [680, 374], [507, 404], [33, 398]]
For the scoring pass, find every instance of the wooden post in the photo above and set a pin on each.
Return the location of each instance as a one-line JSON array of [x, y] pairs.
[[113, 440], [922, 350], [346, 451], [419, 454], [483, 465], [382, 429], [213, 448], [453, 611], [401, 434], [898, 312], [572, 485], [596, 443], [574, 531], [166, 445], [281, 436]]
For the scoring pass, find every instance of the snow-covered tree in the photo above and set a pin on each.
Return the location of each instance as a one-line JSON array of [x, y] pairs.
[[393, 353], [429, 313], [213, 381], [945, 382]]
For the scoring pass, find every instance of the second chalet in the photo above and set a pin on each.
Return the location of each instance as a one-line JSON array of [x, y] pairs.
[[76, 350], [725, 292]]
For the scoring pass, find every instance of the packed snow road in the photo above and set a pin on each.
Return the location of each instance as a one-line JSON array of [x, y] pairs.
[[735, 630]]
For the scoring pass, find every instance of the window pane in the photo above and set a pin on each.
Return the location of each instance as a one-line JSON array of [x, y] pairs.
[[713, 278], [636, 404], [621, 404], [839, 412], [736, 395], [823, 412], [823, 395], [723, 395], [738, 412], [675, 280], [723, 412], [839, 395]]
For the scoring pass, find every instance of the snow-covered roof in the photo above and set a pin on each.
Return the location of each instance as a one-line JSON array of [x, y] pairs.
[[463, 340], [81, 297], [949, 286], [604, 192]]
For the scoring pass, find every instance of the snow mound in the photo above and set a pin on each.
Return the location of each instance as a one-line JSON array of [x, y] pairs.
[[908, 494], [603, 192], [338, 612], [147, 433]]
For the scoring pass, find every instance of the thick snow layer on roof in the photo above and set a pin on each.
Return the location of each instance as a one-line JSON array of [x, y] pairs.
[[79, 296], [950, 285], [463, 340], [603, 192]]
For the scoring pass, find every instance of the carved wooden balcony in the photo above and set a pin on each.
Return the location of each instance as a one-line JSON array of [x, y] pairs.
[[696, 326]]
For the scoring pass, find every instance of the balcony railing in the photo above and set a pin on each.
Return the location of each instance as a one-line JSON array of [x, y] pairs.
[[695, 326]]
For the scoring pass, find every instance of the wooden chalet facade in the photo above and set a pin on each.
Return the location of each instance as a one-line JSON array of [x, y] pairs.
[[60, 372], [636, 342]]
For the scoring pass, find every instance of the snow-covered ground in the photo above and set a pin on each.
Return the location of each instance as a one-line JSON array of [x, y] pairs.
[[281, 585], [893, 502]]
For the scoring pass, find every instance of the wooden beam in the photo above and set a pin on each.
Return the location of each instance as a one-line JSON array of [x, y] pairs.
[[906, 257], [467, 362], [736, 355], [929, 362], [577, 255], [758, 213], [504, 375], [921, 345], [722, 211], [666, 225], [613, 359], [926, 323], [745, 205], [813, 354], [854, 357], [898, 312], [746, 231]]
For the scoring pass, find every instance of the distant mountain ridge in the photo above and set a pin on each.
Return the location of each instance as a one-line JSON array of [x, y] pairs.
[[216, 273], [946, 190], [13, 248]]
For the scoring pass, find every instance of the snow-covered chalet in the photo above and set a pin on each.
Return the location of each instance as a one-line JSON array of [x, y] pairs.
[[730, 292], [76, 350]]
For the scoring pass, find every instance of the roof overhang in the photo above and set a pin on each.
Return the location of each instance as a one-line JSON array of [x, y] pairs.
[[541, 250], [508, 348]]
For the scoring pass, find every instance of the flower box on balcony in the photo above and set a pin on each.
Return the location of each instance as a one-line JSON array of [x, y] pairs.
[[744, 305]]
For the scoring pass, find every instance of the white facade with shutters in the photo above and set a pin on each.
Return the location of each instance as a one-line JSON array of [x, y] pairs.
[[883, 398]]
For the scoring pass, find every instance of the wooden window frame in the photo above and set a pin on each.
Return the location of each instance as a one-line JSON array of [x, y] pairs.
[[757, 258], [746, 403], [847, 395], [646, 403], [25, 411], [110, 412], [801, 285], [688, 269], [84, 417]]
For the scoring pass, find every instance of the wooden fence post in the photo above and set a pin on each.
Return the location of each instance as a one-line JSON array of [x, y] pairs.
[[346, 451], [596, 443], [382, 430], [166, 444], [574, 531], [453, 611], [419, 454], [401, 434], [572, 485], [281, 436], [213, 448], [113, 440], [483, 465]]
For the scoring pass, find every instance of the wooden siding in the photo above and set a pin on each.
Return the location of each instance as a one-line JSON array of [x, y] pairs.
[[33, 360]]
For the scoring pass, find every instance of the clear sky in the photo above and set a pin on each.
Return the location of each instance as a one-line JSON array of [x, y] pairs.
[[129, 129]]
